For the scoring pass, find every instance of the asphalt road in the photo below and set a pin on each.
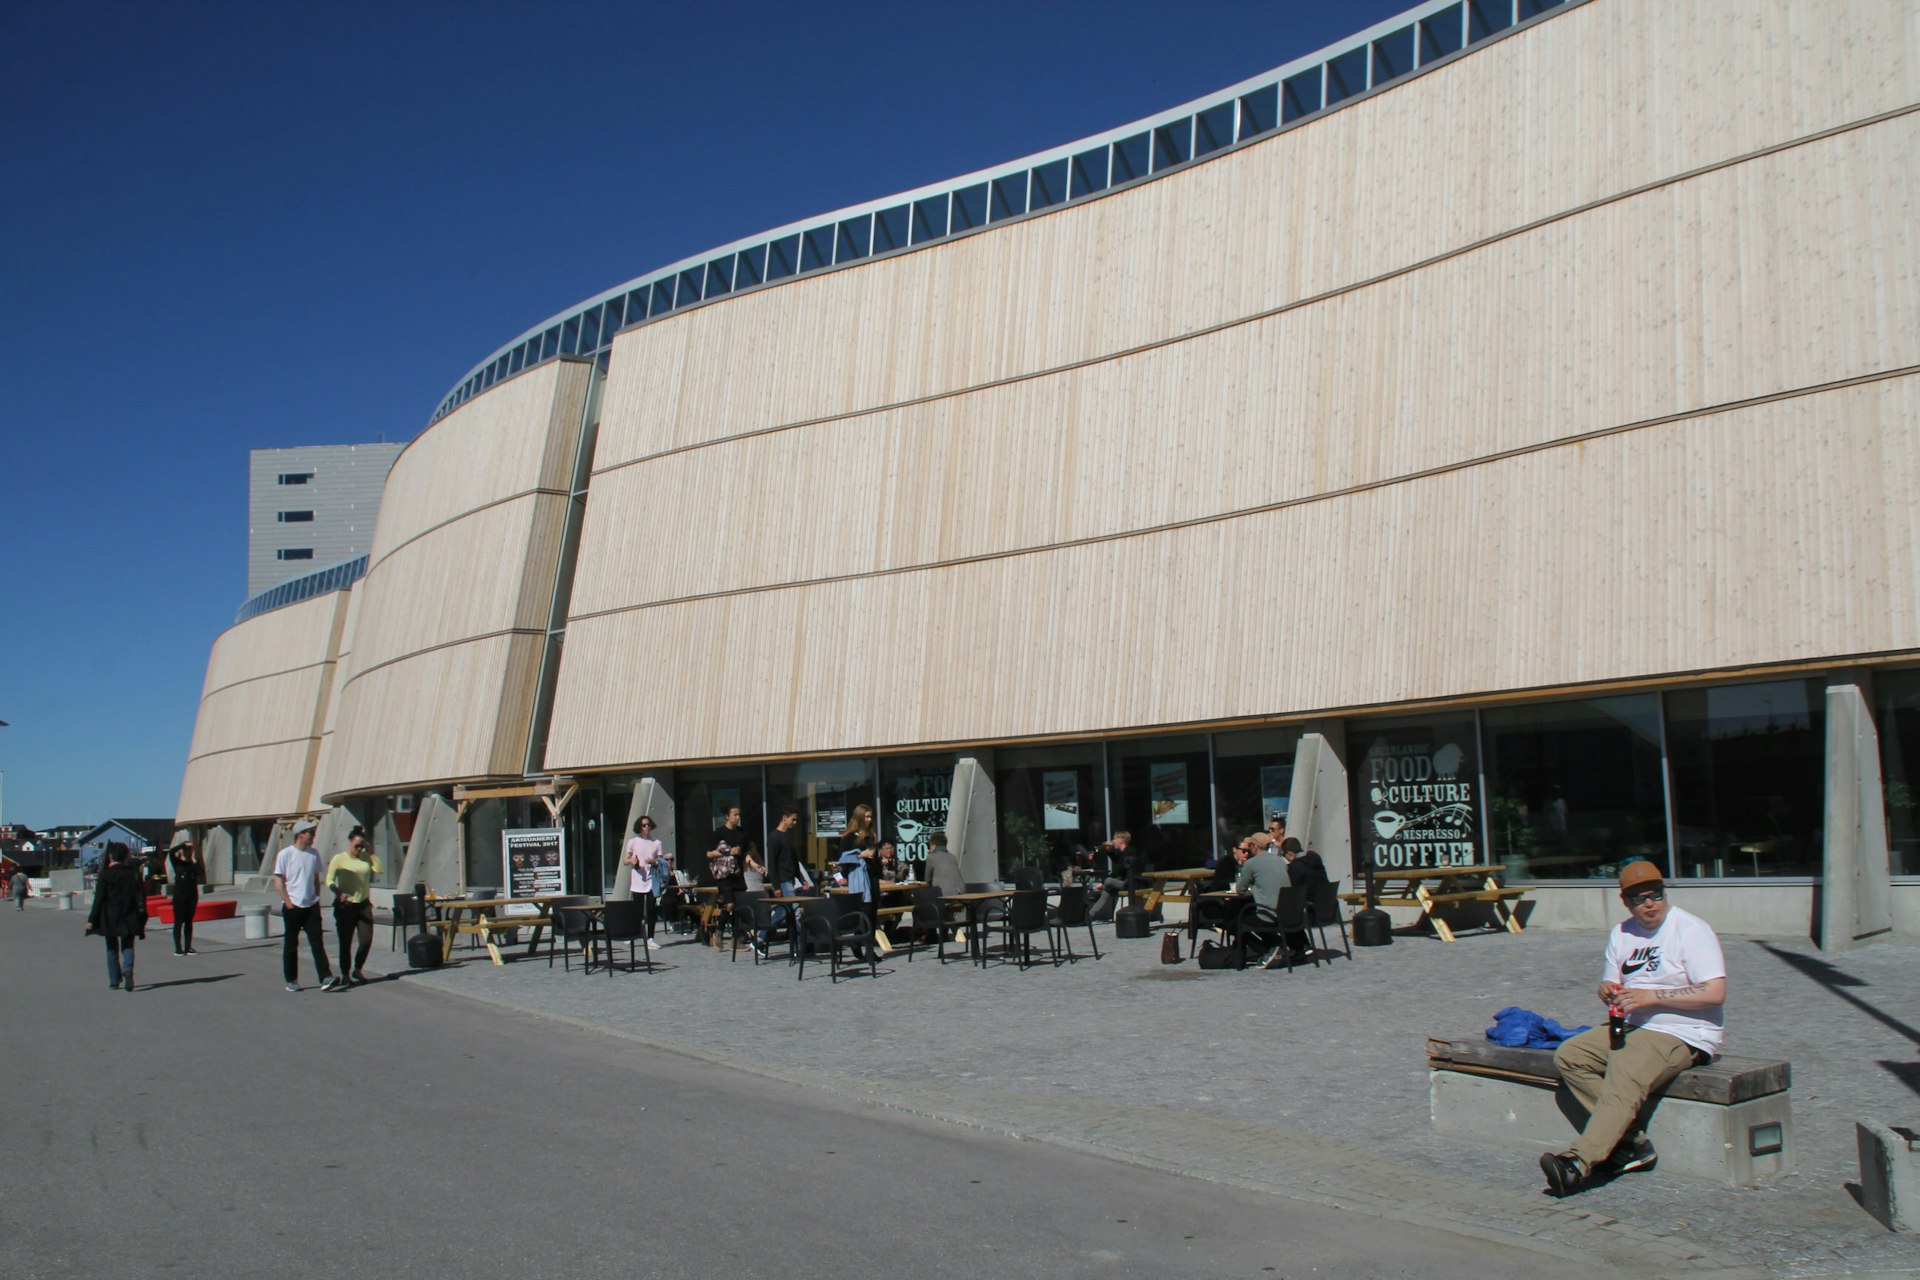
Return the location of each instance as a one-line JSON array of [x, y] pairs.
[[211, 1124]]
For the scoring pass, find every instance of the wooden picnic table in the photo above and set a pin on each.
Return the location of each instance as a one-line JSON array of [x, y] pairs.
[[1409, 887], [487, 919], [1174, 885]]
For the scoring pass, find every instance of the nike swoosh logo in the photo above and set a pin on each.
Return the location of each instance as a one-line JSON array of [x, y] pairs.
[[1626, 969]]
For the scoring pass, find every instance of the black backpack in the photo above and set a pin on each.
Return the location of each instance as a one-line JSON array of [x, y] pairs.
[[1214, 955]]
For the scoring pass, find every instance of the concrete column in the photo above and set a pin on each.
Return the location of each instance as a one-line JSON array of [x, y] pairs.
[[1856, 893], [973, 829], [216, 847], [331, 838], [1318, 805], [434, 855]]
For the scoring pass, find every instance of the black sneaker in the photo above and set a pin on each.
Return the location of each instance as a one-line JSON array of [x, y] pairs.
[[1566, 1174], [1631, 1156]]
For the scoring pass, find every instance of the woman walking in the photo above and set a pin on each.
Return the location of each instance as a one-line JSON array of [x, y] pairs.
[[119, 914], [186, 873], [350, 876]]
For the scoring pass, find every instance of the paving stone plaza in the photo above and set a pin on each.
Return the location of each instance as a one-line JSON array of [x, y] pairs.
[[1312, 1085]]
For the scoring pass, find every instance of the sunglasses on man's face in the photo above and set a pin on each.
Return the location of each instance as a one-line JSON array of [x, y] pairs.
[[1645, 896]]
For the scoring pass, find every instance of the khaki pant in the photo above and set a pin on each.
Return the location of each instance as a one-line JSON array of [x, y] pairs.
[[1614, 1084]]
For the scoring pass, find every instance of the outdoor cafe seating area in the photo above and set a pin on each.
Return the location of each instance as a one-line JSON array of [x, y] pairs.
[[1027, 923]]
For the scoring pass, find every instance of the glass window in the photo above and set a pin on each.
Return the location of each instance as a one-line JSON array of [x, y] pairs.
[[692, 282], [749, 266], [550, 343], [295, 517], [295, 477], [914, 796], [1440, 34], [1300, 96], [720, 276], [816, 248], [1392, 55], [1534, 8], [1008, 196], [890, 228], [1574, 788], [1346, 75], [826, 792], [701, 798], [1052, 805], [1213, 129], [637, 302], [856, 238], [929, 218], [294, 553], [662, 296], [783, 257], [1416, 793], [1897, 712], [1259, 111], [1161, 793], [1748, 769], [1485, 17], [1130, 158], [570, 336], [1252, 781], [970, 207], [613, 317], [1049, 184], [589, 330], [516, 359], [1089, 171]]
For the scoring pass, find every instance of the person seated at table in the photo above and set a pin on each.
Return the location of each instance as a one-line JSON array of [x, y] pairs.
[[1263, 874], [1306, 871], [1227, 866], [1111, 867], [943, 869], [889, 863]]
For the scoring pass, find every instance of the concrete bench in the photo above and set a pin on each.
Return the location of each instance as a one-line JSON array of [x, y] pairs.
[[1730, 1121]]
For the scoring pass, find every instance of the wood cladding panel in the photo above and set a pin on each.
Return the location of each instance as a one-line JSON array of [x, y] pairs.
[[451, 714], [1592, 103], [1779, 532], [294, 636], [1620, 314], [489, 571], [257, 782], [342, 669], [520, 435]]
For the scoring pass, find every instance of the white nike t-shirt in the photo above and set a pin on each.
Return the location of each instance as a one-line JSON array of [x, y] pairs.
[[1683, 951]]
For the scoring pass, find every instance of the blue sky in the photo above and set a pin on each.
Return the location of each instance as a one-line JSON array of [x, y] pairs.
[[241, 225]]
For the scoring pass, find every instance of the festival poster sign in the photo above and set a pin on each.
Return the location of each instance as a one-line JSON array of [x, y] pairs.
[[535, 861], [919, 804], [1416, 796], [1167, 785], [1060, 800], [1276, 791]]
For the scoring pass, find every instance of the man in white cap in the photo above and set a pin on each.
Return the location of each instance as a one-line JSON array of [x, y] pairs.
[[296, 873], [1665, 972]]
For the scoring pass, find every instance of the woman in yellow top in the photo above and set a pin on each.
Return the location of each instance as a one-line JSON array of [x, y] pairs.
[[350, 876]]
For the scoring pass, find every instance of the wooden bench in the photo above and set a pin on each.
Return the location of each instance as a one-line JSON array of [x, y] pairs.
[[1730, 1121]]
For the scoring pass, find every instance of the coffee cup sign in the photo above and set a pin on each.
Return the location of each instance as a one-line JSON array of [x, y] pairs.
[[1417, 803]]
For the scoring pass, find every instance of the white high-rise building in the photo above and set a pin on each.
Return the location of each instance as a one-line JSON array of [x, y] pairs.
[[310, 507]]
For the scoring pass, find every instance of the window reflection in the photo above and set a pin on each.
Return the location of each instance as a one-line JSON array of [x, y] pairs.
[[1748, 763], [1574, 788], [1897, 695], [1052, 805]]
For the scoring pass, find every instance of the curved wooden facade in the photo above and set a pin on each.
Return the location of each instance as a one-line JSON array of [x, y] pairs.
[[1590, 358]]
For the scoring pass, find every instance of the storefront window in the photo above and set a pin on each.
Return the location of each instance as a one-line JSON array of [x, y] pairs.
[[1252, 778], [1574, 788], [1052, 803], [1897, 694], [1416, 793], [914, 794], [701, 798], [1748, 764], [1162, 794]]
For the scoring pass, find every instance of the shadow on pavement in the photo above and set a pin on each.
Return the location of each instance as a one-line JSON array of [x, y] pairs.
[[186, 982], [1833, 980]]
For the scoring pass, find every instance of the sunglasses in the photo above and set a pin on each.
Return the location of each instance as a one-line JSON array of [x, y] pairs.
[[1645, 896]]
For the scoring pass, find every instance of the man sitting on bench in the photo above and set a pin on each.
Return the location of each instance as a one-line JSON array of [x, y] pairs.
[[1665, 973]]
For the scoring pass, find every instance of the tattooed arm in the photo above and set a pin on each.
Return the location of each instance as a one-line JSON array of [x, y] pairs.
[[1710, 994]]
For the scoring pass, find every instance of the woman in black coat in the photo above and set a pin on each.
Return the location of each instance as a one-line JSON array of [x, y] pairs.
[[119, 914], [187, 873]]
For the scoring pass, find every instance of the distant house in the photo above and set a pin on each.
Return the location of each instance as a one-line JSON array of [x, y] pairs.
[[135, 833]]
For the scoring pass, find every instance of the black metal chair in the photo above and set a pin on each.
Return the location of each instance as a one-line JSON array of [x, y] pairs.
[[624, 922], [1026, 915], [409, 913], [840, 921], [1323, 908], [1027, 878], [752, 916], [1217, 914], [1270, 927], [568, 924], [1073, 911], [930, 923]]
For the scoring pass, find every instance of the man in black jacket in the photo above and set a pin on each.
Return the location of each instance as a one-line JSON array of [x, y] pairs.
[[119, 914]]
